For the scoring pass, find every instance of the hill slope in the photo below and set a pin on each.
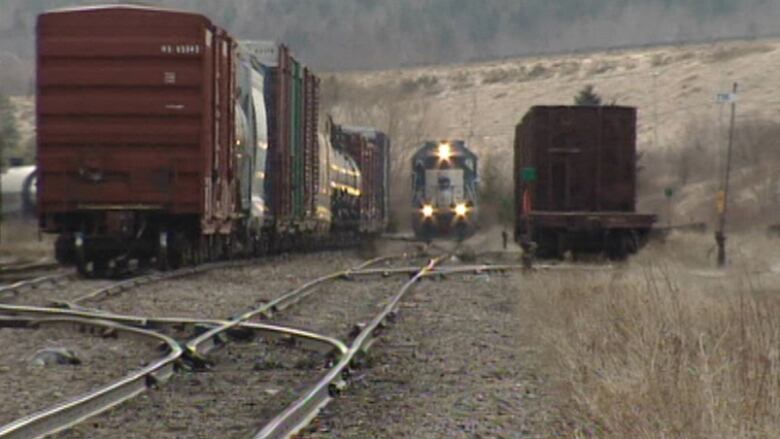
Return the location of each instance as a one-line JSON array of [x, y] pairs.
[[673, 87]]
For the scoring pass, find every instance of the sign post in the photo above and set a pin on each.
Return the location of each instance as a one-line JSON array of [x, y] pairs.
[[669, 193], [723, 196]]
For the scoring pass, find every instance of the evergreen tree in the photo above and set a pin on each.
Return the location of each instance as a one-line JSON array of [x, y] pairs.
[[587, 97]]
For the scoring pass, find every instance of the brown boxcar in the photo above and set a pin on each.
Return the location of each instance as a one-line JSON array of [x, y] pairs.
[[135, 111], [575, 180]]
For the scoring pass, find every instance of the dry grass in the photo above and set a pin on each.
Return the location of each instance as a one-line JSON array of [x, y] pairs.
[[662, 348], [20, 242]]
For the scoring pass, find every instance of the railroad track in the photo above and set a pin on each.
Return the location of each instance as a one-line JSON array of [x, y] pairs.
[[24, 269], [216, 333], [114, 288], [18, 278], [301, 412], [65, 415]]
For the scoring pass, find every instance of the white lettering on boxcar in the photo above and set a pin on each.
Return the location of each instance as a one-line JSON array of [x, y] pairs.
[[169, 78], [181, 49]]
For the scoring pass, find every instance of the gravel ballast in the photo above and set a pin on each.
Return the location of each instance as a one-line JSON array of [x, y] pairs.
[[29, 386], [453, 366]]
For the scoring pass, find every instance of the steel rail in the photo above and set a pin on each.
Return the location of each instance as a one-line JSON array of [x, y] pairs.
[[71, 412], [29, 266], [75, 411], [205, 341], [120, 287], [305, 408], [17, 313], [296, 416], [16, 288], [159, 276]]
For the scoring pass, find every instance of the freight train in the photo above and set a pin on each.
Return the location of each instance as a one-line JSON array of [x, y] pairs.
[[162, 140], [444, 190], [575, 181]]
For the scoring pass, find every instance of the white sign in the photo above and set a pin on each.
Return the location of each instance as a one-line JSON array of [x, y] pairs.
[[725, 98]]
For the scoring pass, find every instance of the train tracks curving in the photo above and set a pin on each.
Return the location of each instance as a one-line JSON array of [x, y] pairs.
[[65, 415], [196, 347], [15, 279]]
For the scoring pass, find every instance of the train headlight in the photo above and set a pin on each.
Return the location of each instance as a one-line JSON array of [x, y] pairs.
[[445, 151], [427, 211], [461, 209]]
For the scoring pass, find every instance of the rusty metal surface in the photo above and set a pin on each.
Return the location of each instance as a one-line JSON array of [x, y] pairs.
[[583, 196], [593, 220], [130, 103], [370, 149], [584, 156]]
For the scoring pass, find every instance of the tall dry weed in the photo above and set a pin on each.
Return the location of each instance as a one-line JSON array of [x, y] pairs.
[[658, 350]]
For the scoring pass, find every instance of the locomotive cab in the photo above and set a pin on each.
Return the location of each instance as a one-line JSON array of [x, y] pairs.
[[444, 188]]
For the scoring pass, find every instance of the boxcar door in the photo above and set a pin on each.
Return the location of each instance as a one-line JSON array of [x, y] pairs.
[[560, 194]]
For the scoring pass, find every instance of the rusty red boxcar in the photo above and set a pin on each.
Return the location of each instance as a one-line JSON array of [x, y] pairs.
[[575, 180], [162, 139], [135, 123]]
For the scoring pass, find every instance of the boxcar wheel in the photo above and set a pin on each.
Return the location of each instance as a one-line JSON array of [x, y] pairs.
[[64, 251], [618, 245]]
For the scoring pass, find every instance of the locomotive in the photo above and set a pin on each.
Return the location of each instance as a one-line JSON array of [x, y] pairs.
[[444, 190], [176, 144]]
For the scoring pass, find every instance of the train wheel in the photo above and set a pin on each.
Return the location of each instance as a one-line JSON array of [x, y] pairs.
[[619, 245], [83, 265], [547, 244], [633, 241], [64, 251], [178, 249]]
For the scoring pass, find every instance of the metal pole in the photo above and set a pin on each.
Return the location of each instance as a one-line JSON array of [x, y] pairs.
[[721, 152], [655, 110], [720, 234]]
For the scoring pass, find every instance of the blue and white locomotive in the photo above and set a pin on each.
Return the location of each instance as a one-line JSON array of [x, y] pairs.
[[444, 190]]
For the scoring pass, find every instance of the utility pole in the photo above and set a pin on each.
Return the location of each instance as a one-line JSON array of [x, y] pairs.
[[655, 110], [721, 144], [720, 233]]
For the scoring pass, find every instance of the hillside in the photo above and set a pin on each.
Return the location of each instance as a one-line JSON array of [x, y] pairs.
[[374, 34], [674, 86]]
